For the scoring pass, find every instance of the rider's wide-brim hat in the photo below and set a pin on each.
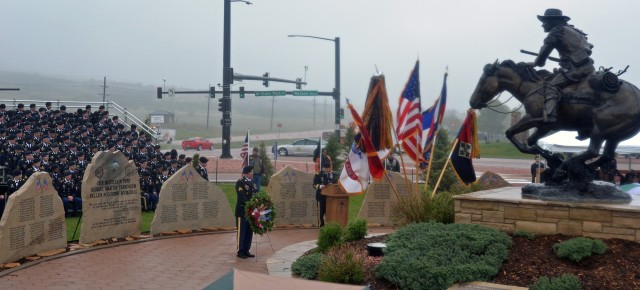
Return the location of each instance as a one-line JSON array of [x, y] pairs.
[[553, 13]]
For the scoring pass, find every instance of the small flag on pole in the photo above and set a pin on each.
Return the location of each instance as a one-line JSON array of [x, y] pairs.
[[244, 153]]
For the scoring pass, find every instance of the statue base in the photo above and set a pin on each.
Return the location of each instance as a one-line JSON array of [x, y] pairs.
[[595, 191]]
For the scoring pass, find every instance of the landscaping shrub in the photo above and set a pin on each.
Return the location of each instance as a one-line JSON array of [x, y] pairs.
[[420, 208], [564, 282], [356, 230], [579, 248], [440, 255], [525, 234], [307, 266], [342, 264], [330, 235]]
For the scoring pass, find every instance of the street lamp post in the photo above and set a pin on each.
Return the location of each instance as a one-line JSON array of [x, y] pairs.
[[227, 78], [336, 89]]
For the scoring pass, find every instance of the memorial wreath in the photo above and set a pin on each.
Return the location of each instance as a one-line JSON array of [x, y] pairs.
[[260, 213]]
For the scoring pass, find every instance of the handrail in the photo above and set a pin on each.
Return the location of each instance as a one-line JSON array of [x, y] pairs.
[[13, 103]]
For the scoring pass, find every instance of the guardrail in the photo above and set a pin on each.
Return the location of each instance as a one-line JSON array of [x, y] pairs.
[[127, 117]]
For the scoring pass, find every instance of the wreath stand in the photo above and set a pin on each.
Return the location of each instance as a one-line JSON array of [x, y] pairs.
[[255, 237]]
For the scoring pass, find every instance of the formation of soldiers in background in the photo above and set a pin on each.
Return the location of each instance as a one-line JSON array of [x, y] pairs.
[[63, 143]]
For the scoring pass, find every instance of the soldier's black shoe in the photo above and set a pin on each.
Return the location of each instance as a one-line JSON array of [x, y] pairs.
[[241, 256], [249, 255]]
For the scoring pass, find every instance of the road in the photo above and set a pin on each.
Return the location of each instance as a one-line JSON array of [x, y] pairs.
[[513, 170]]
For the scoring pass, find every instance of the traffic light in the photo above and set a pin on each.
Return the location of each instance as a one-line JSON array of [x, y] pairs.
[[298, 84], [221, 104], [212, 92], [159, 93], [265, 82], [242, 92], [341, 113]]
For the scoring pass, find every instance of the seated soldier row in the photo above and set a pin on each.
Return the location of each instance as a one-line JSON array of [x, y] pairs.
[[58, 142]]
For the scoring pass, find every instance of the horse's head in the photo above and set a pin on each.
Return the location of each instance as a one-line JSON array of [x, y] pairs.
[[487, 88]]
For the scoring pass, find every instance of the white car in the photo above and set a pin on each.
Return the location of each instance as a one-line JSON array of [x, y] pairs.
[[302, 147]]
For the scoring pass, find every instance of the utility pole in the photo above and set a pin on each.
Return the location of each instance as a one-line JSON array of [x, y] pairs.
[[227, 79], [104, 89]]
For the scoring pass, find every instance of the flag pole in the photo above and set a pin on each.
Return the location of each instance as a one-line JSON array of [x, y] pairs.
[[433, 147], [404, 170], [445, 167]]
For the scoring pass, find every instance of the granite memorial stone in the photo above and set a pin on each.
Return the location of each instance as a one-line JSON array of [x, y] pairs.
[[33, 220], [376, 207], [188, 201], [294, 197], [110, 198]]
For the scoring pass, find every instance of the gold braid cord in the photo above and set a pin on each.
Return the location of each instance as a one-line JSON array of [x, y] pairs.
[[377, 115]]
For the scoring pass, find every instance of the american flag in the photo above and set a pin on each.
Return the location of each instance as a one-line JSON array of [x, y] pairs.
[[244, 153], [409, 128], [433, 117]]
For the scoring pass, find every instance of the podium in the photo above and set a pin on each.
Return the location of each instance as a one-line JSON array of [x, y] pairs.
[[337, 204], [539, 171]]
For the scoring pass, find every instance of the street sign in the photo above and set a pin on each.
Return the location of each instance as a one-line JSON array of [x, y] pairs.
[[269, 93], [305, 93], [172, 93]]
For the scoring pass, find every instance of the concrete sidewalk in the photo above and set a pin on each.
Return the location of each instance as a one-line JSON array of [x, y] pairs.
[[183, 262]]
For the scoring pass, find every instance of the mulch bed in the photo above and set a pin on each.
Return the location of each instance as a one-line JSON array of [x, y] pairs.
[[530, 259]]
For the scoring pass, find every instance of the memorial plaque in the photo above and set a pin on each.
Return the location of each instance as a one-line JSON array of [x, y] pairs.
[[110, 198], [33, 220], [294, 197], [490, 180], [376, 207], [188, 201]]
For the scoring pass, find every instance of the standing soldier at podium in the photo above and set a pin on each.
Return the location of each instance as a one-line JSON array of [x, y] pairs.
[[320, 181], [536, 168]]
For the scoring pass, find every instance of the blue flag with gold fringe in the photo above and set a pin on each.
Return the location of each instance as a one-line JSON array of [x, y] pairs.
[[466, 148]]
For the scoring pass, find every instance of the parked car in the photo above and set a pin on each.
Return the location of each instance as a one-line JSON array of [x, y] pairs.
[[197, 143], [302, 147]]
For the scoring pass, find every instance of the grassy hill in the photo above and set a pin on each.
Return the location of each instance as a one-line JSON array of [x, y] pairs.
[[295, 114]]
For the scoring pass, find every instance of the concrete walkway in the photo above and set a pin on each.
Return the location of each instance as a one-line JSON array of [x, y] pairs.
[[184, 262]]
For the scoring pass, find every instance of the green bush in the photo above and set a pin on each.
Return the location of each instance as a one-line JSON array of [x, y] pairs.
[[441, 255], [579, 248], [342, 264], [330, 235], [564, 282], [307, 266], [356, 230], [525, 234]]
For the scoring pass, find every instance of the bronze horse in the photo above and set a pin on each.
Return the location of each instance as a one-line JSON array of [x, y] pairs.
[[600, 115]]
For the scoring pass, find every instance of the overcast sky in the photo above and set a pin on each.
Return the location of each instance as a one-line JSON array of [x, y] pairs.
[[144, 41]]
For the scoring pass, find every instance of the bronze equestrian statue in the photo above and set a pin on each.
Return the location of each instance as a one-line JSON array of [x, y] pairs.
[[575, 97]]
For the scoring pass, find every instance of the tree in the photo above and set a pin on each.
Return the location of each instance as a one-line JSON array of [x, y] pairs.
[[439, 158], [334, 150], [268, 167], [494, 123]]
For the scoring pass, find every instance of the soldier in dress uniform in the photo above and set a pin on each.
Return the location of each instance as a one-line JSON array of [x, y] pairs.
[[320, 181], [202, 168], [245, 188], [70, 194], [148, 191], [12, 186]]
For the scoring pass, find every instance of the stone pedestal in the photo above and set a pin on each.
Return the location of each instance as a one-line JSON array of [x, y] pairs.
[[505, 209]]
